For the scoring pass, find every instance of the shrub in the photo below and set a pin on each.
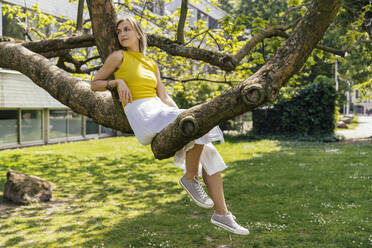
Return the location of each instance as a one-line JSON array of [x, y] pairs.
[[310, 112]]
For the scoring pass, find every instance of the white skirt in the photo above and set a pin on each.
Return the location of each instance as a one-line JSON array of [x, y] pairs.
[[149, 116]]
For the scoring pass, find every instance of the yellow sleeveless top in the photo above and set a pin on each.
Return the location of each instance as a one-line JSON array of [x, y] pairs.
[[139, 73]]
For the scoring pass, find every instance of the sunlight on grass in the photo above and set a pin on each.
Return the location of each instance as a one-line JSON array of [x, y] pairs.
[[113, 193]]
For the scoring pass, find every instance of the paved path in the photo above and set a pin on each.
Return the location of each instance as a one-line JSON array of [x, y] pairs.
[[363, 130]]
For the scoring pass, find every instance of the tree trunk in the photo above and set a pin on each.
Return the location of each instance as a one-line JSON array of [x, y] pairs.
[[103, 17]]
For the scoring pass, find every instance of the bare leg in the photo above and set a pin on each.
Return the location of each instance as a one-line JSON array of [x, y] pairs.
[[215, 190], [192, 161]]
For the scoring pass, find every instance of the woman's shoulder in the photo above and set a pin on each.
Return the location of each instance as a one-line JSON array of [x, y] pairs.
[[118, 54], [115, 58]]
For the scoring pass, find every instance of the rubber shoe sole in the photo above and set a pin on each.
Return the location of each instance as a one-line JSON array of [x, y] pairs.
[[200, 204], [228, 228]]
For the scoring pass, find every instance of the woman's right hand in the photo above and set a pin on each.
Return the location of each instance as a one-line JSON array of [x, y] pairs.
[[124, 93]]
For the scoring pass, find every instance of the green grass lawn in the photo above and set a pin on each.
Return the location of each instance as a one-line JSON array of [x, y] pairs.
[[113, 193]]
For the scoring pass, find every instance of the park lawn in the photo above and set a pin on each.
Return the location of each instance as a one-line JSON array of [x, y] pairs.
[[113, 193]]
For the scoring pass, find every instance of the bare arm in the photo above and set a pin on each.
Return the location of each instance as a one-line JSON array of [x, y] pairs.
[[161, 92], [100, 82]]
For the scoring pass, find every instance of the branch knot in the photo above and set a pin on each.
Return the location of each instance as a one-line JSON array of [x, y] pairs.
[[189, 126], [253, 94]]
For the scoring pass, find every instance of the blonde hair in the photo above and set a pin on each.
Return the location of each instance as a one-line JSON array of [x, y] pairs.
[[142, 42]]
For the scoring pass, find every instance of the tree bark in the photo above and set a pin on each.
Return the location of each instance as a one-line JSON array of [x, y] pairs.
[[181, 22], [103, 17], [261, 87], [79, 19], [45, 46]]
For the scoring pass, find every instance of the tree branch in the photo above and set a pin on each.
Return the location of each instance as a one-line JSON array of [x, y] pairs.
[[79, 19], [182, 21], [44, 46], [259, 37], [104, 29], [77, 64], [200, 79]]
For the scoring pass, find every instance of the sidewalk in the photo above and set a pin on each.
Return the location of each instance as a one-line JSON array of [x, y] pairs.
[[363, 130]]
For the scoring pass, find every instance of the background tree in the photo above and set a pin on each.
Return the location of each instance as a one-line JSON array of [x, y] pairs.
[[296, 42], [348, 40]]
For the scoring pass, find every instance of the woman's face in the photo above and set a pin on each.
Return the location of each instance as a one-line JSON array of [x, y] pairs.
[[128, 36]]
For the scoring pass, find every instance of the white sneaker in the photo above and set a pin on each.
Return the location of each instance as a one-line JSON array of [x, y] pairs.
[[228, 223], [196, 192]]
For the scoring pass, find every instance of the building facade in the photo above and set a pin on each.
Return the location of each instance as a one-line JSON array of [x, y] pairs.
[[360, 107], [29, 115]]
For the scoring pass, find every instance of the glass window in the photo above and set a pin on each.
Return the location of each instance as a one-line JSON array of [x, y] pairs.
[[57, 124], [91, 127], [74, 124], [8, 126], [31, 127], [107, 130]]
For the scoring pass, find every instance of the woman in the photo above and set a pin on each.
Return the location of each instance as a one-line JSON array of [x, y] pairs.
[[149, 109]]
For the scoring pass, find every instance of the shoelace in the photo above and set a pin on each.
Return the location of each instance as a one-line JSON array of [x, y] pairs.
[[199, 188]]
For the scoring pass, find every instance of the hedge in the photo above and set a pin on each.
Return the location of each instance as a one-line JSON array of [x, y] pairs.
[[310, 112]]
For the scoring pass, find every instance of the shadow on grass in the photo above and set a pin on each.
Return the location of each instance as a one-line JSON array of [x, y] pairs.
[[7, 206]]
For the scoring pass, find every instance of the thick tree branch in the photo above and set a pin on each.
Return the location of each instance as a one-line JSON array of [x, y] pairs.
[[223, 61], [53, 54], [68, 90], [182, 21], [104, 29], [45, 46]]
